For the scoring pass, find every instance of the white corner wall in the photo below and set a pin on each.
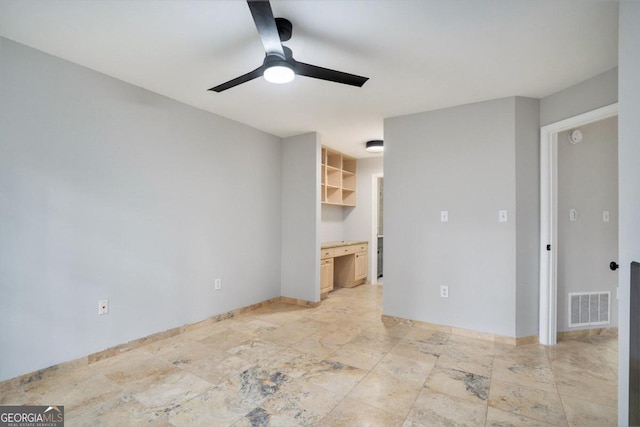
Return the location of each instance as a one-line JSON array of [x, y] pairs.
[[461, 160], [301, 217], [629, 181], [108, 191]]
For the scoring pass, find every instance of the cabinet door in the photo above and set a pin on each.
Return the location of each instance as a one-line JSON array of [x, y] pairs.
[[361, 266], [326, 275]]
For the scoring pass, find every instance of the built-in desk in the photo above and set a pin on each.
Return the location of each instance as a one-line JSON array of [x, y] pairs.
[[342, 264]]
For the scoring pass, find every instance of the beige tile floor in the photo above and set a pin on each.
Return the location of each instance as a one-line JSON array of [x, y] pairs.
[[335, 365]]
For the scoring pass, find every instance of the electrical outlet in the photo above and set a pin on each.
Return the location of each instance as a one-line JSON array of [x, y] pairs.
[[103, 307], [217, 284], [444, 292]]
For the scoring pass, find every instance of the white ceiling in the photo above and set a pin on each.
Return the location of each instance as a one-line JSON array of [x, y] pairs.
[[420, 55]]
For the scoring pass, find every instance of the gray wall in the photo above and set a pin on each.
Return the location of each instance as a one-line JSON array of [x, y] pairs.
[[585, 96], [628, 180], [332, 223], [462, 160], [588, 182], [111, 191], [527, 142], [301, 217]]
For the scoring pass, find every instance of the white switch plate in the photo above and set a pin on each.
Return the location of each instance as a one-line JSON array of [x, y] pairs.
[[573, 215], [502, 216], [444, 216], [444, 291], [605, 216], [218, 284], [103, 307]]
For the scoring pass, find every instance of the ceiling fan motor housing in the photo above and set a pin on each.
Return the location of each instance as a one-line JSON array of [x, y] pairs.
[[285, 29]]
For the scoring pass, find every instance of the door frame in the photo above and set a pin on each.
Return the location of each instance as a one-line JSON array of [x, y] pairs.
[[373, 258], [548, 326]]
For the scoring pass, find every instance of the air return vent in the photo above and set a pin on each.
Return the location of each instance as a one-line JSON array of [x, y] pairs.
[[589, 308]]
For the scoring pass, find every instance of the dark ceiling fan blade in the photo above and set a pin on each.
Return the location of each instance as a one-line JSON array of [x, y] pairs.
[[266, 25], [239, 80], [331, 75], [272, 32]]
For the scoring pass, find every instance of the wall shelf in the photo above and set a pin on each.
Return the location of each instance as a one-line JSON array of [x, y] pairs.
[[338, 183]]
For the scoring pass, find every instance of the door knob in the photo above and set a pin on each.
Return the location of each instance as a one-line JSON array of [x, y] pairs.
[[613, 265]]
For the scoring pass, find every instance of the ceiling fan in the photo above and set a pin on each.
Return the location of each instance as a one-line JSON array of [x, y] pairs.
[[278, 65]]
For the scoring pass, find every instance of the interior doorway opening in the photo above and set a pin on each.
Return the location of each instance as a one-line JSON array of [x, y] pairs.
[[548, 318], [376, 271]]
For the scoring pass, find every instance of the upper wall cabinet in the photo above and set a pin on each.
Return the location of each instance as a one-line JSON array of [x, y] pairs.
[[338, 178]]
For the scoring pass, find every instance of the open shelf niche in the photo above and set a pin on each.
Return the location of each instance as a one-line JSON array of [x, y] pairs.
[[338, 171]]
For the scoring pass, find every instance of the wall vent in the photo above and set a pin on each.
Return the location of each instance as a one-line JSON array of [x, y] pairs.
[[589, 308]]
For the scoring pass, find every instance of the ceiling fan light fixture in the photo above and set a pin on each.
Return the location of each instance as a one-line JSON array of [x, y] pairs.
[[279, 73], [375, 146], [278, 65]]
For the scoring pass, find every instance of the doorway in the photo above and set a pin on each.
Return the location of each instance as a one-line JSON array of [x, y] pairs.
[[549, 220], [587, 226], [376, 263]]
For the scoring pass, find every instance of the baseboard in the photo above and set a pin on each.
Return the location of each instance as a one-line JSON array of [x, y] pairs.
[[468, 333], [299, 302], [583, 333], [122, 348]]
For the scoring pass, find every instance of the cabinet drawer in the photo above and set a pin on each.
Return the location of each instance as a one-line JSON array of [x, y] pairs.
[[327, 253], [361, 248], [346, 250], [326, 261]]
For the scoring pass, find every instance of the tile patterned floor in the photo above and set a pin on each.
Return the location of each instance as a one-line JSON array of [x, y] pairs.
[[335, 365]]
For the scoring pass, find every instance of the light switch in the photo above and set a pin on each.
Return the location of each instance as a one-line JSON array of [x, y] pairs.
[[573, 215], [605, 216], [502, 216], [444, 216]]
